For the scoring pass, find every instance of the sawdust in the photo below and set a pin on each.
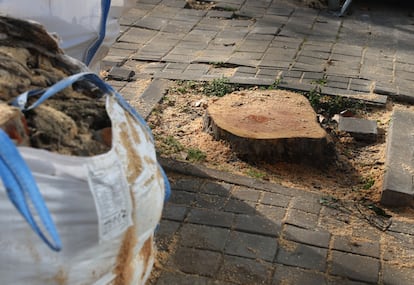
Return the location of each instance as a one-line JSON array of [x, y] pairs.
[[356, 174]]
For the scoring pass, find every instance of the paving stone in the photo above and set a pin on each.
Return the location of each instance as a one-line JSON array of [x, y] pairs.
[[394, 274], [294, 74], [196, 261], [182, 198], [240, 207], [268, 71], [203, 237], [151, 96], [221, 189], [360, 88], [174, 212], [310, 237], [402, 227], [187, 184], [165, 234], [308, 205], [355, 267], [286, 275], [367, 232], [334, 218], [347, 244], [318, 67], [137, 35], [398, 180], [120, 73], [257, 224], [210, 201], [310, 60], [211, 218], [375, 99], [342, 281], [252, 81], [268, 30], [243, 55], [313, 75], [360, 129], [253, 46], [246, 194], [275, 199], [315, 54], [151, 23], [175, 278], [251, 246], [220, 14], [335, 84], [282, 64], [153, 67], [272, 213], [301, 255], [302, 219], [244, 271]]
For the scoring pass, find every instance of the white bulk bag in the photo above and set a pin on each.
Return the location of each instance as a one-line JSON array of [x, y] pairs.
[[105, 208], [86, 29]]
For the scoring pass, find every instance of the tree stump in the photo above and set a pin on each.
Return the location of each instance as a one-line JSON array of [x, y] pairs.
[[271, 126]]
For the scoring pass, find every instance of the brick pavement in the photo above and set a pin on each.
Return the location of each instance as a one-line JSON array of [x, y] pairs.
[[220, 228], [224, 229], [264, 41]]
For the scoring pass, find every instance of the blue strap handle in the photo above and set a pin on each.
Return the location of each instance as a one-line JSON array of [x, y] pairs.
[[21, 100], [23, 192]]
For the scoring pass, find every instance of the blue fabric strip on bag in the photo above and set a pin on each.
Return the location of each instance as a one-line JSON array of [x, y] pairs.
[[23, 192], [105, 6]]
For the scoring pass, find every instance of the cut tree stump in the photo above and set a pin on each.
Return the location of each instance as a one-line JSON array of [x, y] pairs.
[[271, 126]]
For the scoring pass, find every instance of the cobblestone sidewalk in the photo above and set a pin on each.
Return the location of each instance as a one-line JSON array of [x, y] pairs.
[[260, 42], [220, 228]]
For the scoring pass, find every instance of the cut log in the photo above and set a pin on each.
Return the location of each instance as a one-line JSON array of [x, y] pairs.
[[271, 126]]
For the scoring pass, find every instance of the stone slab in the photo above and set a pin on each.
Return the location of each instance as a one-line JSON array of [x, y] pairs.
[[310, 237], [251, 246], [293, 275], [244, 271], [196, 261], [398, 178], [304, 256], [360, 129], [151, 96], [204, 237], [356, 267]]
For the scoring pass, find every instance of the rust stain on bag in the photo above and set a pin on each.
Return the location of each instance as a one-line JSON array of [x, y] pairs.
[[124, 270], [146, 252], [134, 133], [134, 167]]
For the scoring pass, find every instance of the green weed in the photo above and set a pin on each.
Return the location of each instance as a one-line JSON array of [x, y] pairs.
[[331, 105], [185, 86], [169, 144], [195, 155], [219, 87], [321, 81], [255, 173]]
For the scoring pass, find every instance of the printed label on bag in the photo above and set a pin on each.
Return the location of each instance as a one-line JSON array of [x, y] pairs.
[[112, 199]]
